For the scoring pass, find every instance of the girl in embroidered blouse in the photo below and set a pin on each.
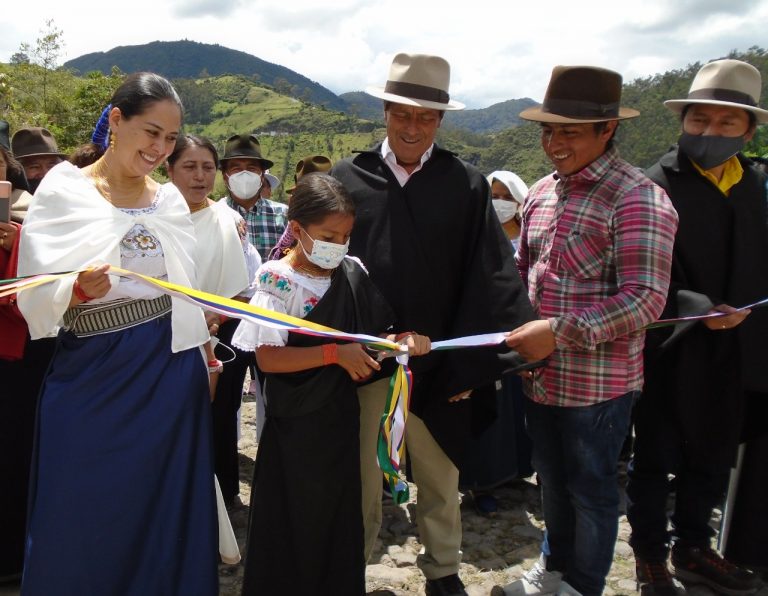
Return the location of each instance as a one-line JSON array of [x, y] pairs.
[[306, 484]]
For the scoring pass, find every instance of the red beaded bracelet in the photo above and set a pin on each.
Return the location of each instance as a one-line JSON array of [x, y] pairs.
[[215, 366], [405, 334], [80, 293], [330, 354]]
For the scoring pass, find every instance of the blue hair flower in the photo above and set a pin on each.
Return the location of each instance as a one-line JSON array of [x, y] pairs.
[[100, 134]]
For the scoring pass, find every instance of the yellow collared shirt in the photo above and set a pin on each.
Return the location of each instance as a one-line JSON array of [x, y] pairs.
[[731, 175]]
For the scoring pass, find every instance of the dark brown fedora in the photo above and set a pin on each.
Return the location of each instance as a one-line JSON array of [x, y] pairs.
[[311, 163], [244, 147], [578, 94], [32, 142]]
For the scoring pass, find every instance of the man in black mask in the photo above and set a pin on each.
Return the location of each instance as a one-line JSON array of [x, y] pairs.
[[699, 376], [36, 150]]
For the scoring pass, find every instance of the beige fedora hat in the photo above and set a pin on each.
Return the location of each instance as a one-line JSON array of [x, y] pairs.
[[418, 80], [580, 94], [725, 83]]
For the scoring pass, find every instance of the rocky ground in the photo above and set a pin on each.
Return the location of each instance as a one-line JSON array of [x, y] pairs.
[[496, 550]]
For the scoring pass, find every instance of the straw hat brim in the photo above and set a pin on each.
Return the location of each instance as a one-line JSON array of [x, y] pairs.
[[274, 181], [537, 114], [677, 106], [408, 101]]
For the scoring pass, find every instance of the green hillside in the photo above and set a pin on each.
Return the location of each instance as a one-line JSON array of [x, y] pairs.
[[288, 129], [292, 127], [189, 59]]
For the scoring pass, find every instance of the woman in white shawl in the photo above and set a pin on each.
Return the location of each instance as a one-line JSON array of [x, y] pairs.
[[222, 270], [121, 495]]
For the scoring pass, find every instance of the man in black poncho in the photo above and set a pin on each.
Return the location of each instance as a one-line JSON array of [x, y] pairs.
[[427, 232], [699, 376]]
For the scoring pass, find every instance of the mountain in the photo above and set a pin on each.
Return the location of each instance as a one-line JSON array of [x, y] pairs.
[[495, 118], [189, 59], [362, 105]]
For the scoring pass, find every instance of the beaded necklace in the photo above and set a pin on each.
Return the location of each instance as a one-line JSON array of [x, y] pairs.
[[103, 183], [308, 268], [195, 207]]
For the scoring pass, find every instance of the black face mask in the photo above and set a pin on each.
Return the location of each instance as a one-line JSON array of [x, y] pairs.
[[33, 184], [710, 150]]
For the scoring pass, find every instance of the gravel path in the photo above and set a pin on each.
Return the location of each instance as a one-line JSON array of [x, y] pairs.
[[496, 550]]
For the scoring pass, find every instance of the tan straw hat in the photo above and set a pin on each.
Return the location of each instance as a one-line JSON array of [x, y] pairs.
[[578, 94], [418, 80], [725, 83]]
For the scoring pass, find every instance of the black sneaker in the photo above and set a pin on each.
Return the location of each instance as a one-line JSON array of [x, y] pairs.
[[450, 585], [654, 579], [705, 566]]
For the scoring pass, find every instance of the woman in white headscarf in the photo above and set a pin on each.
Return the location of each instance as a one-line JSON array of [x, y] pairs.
[[503, 452], [508, 194]]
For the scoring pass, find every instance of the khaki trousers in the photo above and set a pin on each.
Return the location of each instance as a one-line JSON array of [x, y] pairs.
[[437, 509]]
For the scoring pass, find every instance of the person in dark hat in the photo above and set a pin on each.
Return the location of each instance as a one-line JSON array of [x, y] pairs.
[[427, 232], [702, 377], [244, 170], [307, 165], [596, 252], [36, 150]]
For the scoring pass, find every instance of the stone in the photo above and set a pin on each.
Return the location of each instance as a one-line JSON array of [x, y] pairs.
[[404, 558], [527, 531], [391, 576], [629, 585]]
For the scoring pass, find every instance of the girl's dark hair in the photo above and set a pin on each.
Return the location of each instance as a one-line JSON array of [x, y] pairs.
[[14, 171], [85, 155], [317, 196], [142, 89], [184, 142]]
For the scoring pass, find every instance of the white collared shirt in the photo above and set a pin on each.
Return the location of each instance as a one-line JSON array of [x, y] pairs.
[[399, 171]]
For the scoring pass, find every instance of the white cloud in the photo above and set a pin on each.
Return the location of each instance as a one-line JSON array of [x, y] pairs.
[[497, 50]]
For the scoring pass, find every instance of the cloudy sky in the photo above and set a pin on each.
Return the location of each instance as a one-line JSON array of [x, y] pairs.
[[498, 49]]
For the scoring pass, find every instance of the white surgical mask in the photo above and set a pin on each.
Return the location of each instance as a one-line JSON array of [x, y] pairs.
[[245, 185], [505, 210], [327, 255]]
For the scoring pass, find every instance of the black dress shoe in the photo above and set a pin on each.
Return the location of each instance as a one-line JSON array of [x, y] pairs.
[[450, 585]]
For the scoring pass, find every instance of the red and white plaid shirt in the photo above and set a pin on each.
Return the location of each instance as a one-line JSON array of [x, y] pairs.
[[596, 253]]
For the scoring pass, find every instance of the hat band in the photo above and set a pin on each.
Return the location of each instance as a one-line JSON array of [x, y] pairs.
[[576, 108], [416, 91], [723, 95]]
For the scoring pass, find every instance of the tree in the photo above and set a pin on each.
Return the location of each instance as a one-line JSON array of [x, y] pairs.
[[45, 53]]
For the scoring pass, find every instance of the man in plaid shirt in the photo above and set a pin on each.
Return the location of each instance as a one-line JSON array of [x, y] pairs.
[[244, 168], [595, 251]]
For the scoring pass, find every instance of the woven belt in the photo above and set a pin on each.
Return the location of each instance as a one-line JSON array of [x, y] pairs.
[[85, 320]]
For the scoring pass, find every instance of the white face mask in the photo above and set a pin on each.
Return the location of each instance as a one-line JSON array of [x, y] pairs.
[[245, 185], [327, 255], [505, 210]]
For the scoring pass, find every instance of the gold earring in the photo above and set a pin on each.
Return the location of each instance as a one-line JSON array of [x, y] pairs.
[[112, 141]]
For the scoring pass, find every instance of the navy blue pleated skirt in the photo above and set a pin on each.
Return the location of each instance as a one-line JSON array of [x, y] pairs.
[[122, 497]]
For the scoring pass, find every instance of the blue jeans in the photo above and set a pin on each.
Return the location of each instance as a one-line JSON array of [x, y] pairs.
[[575, 452]]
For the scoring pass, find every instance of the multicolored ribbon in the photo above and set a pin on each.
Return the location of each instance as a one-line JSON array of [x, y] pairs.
[[391, 442], [390, 449], [391, 445]]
